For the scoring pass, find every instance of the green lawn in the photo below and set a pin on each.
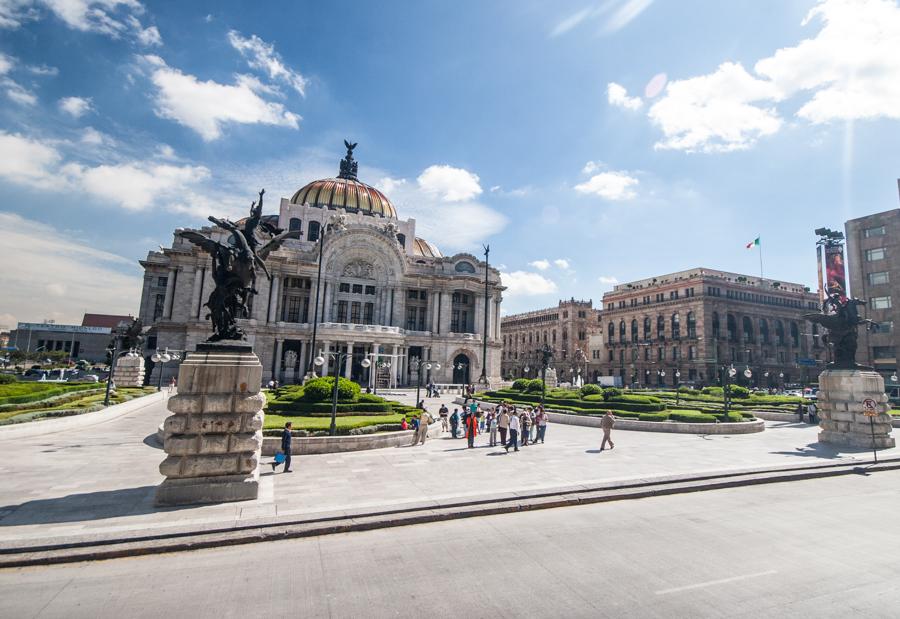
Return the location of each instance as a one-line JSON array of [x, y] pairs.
[[313, 424], [85, 403]]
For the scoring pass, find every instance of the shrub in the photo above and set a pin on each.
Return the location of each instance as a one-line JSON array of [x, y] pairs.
[[689, 391], [636, 399], [319, 390], [520, 384], [653, 417], [712, 391], [590, 389], [611, 392], [689, 416], [535, 385], [7, 378], [368, 397], [733, 416], [736, 391]]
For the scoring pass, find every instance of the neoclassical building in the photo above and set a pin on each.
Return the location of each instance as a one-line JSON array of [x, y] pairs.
[[385, 293]]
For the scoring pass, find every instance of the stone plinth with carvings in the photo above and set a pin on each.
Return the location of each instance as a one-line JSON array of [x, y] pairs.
[[214, 435], [840, 407], [129, 371]]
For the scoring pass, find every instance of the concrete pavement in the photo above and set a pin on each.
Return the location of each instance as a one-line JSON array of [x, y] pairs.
[[823, 548], [97, 482]]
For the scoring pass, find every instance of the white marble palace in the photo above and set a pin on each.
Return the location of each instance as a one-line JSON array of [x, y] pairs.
[[385, 294]]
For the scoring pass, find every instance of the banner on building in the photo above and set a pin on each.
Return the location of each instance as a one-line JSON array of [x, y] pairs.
[[835, 275]]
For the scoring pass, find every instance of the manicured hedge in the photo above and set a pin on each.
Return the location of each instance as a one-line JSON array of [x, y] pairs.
[[587, 404], [5, 379], [520, 384], [535, 385], [20, 393], [653, 417], [591, 389], [300, 407], [319, 390]]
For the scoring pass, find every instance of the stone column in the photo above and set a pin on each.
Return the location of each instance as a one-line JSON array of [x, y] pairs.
[[303, 350], [348, 364], [841, 410], [446, 309], [324, 369], [273, 300], [326, 309], [170, 289], [395, 365], [400, 308], [435, 304], [214, 436], [478, 324], [195, 293], [276, 368]]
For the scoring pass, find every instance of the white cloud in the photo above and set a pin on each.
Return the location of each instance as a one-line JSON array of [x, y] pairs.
[[91, 136], [610, 186], [148, 37], [76, 107], [616, 14], [618, 96], [849, 70], [55, 264], [28, 162], [17, 93], [562, 263], [715, 112], [592, 166], [6, 64], [526, 283], [449, 184], [113, 18], [441, 201], [608, 279], [263, 57], [43, 70], [540, 265], [205, 106]]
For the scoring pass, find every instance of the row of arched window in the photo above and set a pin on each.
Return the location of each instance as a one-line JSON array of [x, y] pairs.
[[313, 229], [635, 335]]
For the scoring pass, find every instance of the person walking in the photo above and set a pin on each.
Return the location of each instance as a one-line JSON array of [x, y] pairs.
[[471, 428], [444, 413], [285, 448], [607, 423], [541, 425], [503, 424], [422, 431], [812, 413], [454, 422], [492, 425], [513, 433], [799, 411]]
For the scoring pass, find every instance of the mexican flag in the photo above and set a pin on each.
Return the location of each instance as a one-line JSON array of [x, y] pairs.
[[753, 243]]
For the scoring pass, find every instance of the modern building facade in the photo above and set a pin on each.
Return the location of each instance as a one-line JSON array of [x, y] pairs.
[[566, 328], [85, 341], [384, 292], [873, 257], [683, 328]]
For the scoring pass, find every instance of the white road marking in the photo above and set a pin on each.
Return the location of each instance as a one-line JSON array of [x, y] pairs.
[[710, 583]]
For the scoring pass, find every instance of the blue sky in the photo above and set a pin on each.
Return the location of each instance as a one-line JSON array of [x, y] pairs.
[[588, 143]]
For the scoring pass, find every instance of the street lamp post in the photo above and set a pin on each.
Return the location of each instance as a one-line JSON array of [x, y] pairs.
[[729, 373], [163, 358], [338, 358], [337, 226], [417, 365], [546, 355], [677, 386], [483, 378]]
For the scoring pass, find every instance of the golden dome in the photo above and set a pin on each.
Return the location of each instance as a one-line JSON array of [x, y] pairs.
[[346, 192], [421, 247]]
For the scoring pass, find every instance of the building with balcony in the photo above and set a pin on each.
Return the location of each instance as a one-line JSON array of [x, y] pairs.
[[683, 328], [566, 328], [384, 291], [873, 258]]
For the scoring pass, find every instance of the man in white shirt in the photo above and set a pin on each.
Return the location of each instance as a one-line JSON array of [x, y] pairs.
[[513, 433]]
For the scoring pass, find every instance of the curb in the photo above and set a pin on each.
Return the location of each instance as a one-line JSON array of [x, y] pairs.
[[434, 511]]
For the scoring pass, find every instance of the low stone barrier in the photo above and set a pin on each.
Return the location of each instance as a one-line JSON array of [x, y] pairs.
[[309, 445], [677, 427]]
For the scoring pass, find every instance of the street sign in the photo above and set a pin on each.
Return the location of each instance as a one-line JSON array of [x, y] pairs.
[[870, 408], [806, 362]]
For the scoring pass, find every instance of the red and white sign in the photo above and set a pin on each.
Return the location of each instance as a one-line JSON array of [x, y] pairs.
[[870, 407]]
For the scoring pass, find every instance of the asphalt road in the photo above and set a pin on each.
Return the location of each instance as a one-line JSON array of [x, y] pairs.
[[821, 548]]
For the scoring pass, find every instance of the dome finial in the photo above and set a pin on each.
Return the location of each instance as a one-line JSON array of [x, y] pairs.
[[349, 167]]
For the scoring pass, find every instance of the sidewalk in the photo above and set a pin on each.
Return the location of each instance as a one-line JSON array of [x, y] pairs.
[[98, 481]]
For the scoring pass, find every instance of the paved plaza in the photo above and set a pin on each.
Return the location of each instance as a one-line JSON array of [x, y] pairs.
[[97, 478]]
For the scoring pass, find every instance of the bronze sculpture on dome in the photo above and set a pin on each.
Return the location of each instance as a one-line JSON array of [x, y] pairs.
[[234, 266]]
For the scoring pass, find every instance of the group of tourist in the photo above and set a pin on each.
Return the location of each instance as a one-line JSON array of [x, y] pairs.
[[506, 426]]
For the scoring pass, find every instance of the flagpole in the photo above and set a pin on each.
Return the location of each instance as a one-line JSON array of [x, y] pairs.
[[760, 258]]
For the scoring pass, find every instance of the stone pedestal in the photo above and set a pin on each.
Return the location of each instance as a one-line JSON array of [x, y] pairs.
[[840, 409], [214, 436], [129, 371]]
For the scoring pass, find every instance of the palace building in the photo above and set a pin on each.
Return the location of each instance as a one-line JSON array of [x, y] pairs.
[[385, 294], [683, 328]]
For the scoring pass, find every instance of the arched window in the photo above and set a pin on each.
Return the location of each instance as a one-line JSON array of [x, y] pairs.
[[660, 328], [691, 325], [716, 328], [622, 331], [295, 224], [676, 326], [764, 331], [731, 327], [312, 232], [647, 327], [779, 333], [464, 267], [401, 238], [634, 330], [795, 335], [611, 333], [747, 329]]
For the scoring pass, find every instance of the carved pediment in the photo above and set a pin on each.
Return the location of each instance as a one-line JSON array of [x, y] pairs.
[[359, 269]]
